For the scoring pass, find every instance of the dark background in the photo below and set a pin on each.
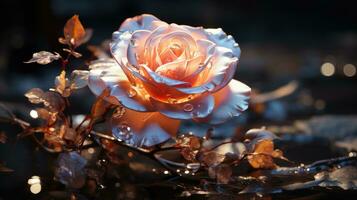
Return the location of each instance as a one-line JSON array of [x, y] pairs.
[[280, 41]]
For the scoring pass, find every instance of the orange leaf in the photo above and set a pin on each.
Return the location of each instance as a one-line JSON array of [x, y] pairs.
[[74, 31]]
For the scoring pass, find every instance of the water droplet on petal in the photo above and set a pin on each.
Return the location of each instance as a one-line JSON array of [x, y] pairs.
[[131, 93], [188, 107], [122, 132], [133, 42]]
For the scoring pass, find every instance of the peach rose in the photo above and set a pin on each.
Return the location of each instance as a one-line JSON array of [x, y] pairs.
[[171, 72]]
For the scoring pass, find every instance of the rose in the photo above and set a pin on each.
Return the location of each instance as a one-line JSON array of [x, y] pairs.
[[171, 72]]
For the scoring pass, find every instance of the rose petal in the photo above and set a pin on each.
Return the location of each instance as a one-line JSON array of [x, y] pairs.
[[107, 74], [217, 75], [219, 37], [199, 107], [136, 46], [146, 129], [141, 22], [119, 49], [161, 79], [173, 70], [230, 101]]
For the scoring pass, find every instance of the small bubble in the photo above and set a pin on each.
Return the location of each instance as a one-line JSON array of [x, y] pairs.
[[122, 132], [188, 107]]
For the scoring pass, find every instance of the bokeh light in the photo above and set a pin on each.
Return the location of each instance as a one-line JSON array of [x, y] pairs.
[[34, 114], [349, 70], [327, 69]]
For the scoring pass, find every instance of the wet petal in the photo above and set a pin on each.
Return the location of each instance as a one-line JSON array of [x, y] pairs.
[[220, 71], [119, 49], [145, 129], [141, 22], [136, 46], [230, 101], [107, 74], [199, 107], [219, 37], [161, 79], [173, 70]]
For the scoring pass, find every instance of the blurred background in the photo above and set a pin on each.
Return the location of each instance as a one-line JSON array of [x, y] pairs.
[[311, 42], [314, 42]]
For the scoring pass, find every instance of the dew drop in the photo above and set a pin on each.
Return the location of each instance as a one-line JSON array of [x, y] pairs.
[[188, 107], [133, 43], [122, 132]]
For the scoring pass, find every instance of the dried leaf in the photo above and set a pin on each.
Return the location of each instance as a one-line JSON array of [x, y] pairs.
[[74, 33], [35, 95], [262, 157], [44, 57], [79, 79], [62, 84], [51, 100]]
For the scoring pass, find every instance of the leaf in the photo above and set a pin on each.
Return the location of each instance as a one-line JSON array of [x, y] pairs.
[[35, 95], [51, 100], [262, 157], [61, 84], [79, 79], [74, 33], [44, 57]]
